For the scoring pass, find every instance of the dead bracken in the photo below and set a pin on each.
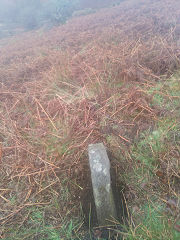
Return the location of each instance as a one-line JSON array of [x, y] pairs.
[[85, 82]]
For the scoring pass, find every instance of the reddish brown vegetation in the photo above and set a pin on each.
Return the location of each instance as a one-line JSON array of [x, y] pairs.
[[63, 89]]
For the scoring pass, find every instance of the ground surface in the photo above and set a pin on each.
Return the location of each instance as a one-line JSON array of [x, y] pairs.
[[111, 77]]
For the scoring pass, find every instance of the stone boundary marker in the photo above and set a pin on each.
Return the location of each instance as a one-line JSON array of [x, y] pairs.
[[101, 183]]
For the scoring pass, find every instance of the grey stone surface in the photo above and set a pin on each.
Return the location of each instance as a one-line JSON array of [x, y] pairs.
[[101, 182]]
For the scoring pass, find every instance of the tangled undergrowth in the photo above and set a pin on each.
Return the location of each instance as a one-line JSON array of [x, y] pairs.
[[105, 77]]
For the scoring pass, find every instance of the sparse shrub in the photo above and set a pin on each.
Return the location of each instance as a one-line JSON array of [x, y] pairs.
[[34, 13], [29, 20], [83, 12], [59, 11]]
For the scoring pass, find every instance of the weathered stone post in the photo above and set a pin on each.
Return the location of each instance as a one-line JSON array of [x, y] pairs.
[[101, 183]]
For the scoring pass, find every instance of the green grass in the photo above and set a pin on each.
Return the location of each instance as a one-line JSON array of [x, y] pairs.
[[37, 229], [167, 93], [150, 153], [154, 225], [38, 221]]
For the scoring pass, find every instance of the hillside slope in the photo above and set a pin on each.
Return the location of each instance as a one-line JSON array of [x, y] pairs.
[[105, 77]]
